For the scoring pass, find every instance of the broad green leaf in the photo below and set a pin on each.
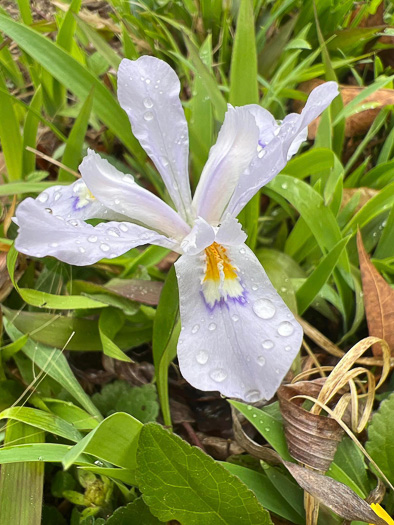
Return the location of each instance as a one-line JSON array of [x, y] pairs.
[[42, 420], [21, 485], [105, 50], [45, 452], [114, 440], [181, 482], [110, 322], [309, 163], [73, 151], [135, 512], [164, 339], [74, 77], [380, 445], [47, 300], [30, 133], [386, 242], [16, 188], [54, 363], [268, 422], [71, 413], [119, 396], [316, 280]]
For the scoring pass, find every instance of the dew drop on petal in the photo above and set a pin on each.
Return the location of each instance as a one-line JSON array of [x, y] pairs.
[[261, 360], [164, 161], [82, 250], [285, 328], [104, 247], [264, 309], [53, 244], [195, 328], [128, 178], [57, 195], [253, 395], [123, 227], [254, 287], [218, 375], [268, 344], [73, 222], [242, 250], [113, 232], [48, 210], [235, 318], [287, 348], [212, 326], [148, 103], [202, 357], [43, 197], [148, 116], [92, 238]]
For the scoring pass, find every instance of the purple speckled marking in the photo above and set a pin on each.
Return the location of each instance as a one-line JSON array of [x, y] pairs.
[[241, 299], [75, 204], [262, 144]]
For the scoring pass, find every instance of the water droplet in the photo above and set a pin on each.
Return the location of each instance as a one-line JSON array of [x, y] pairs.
[[117, 201], [113, 232], [254, 287], [264, 309], [54, 244], [261, 154], [249, 408], [267, 344], [218, 375], [283, 289], [235, 318], [284, 186], [57, 195], [128, 178], [277, 371], [253, 395], [82, 250], [43, 197], [147, 80], [104, 247], [195, 328], [261, 360], [242, 250], [202, 357], [73, 222], [123, 227], [285, 329], [148, 103], [254, 415], [164, 161], [287, 348], [212, 326], [48, 210], [92, 238], [148, 116]]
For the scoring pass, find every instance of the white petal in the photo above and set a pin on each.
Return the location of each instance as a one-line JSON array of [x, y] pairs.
[[74, 201], [121, 193], [229, 157], [230, 232], [241, 348], [75, 242], [201, 236], [274, 156], [148, 90]]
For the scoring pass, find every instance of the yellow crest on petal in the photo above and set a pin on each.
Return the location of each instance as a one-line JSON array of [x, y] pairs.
[[382, 513]]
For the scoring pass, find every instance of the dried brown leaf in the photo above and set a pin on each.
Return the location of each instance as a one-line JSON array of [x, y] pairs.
[[378, 300], [334, 495], [365, 195], [142, 291]]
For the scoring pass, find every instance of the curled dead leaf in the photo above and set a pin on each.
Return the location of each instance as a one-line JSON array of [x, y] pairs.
[[334, 495], [139, 290], [365, 195], [378, 300], [358, 123]]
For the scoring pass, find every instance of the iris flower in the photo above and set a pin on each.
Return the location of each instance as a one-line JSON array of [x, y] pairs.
[[237, 334]]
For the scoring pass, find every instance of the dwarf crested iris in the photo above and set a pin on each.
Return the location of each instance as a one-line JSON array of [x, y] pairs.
[[237, 334]]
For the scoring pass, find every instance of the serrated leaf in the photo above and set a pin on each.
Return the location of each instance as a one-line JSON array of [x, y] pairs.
[[133, 513], [380, 444], [180, 482]]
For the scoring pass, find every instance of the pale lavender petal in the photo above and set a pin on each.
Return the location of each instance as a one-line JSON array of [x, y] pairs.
[[271, 159], [74, 201], [148, 90], [75, 242], [230, 232], [229, 157], [242, 347], [121, 193], [201, 236]]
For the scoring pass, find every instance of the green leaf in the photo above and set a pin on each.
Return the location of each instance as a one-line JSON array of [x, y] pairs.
[[21, 485], [30, 133], [268, 422], [271, 497], [16, 188], [75, 77], [114, 440], [380, 444], [110, 322], [165, 336], [47, 300], [73, 150], [119, 396], [10, 136], [243, 75], [181, 482], [46, 452], [316, 280], [135, 512], [54, 363]]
